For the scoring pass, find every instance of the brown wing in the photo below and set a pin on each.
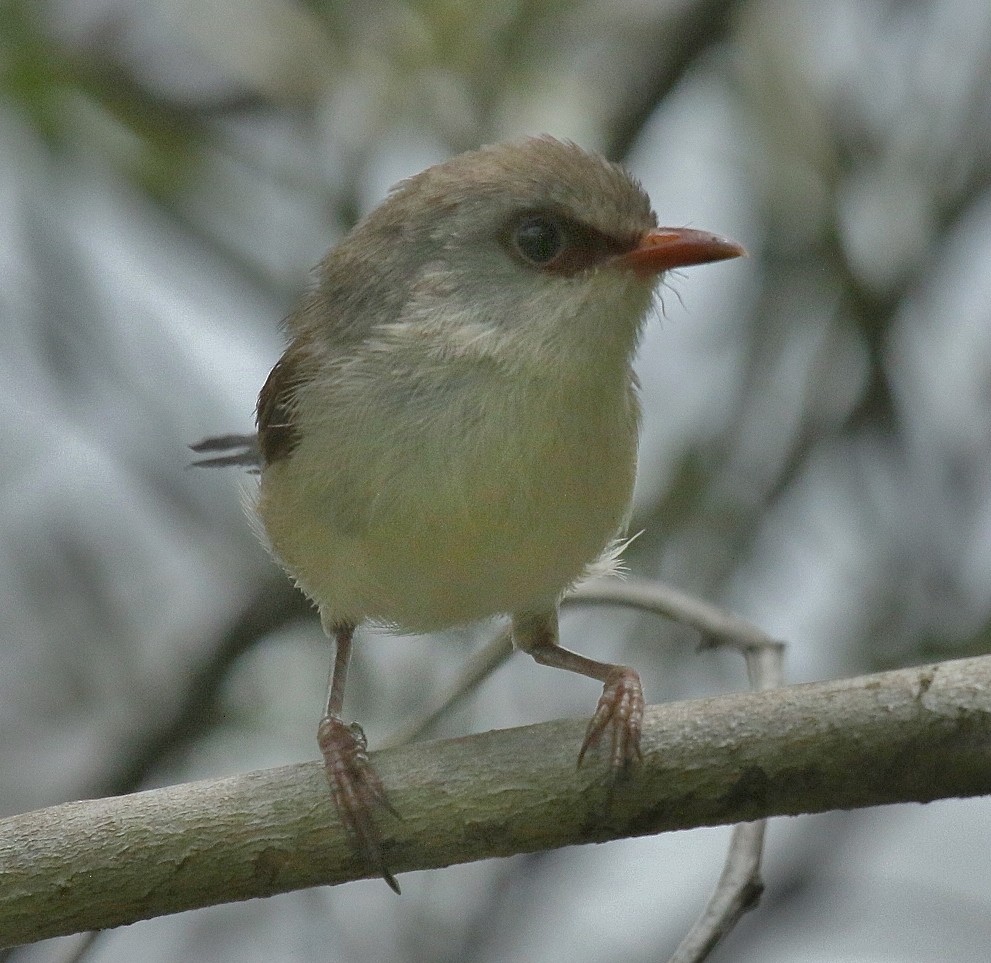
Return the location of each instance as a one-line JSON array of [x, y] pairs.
[[277, 435]]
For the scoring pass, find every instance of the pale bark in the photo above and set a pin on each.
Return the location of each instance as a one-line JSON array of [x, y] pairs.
[[911, 735]]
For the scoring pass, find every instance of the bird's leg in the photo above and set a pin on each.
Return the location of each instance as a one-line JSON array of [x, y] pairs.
[[620, 707], [354, 785]]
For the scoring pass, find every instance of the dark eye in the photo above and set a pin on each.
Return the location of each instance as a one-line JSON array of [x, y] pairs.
[[539, 238]]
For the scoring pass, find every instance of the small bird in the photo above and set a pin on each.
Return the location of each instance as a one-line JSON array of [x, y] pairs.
[[452, 430]]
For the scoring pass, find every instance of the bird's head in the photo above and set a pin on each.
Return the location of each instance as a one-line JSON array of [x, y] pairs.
[[534, 251]]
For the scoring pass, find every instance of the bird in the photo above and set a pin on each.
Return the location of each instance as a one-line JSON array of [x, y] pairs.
[[451, 433]]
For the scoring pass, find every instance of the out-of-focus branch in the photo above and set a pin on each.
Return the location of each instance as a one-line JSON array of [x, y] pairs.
[[170, 728], [912, 735], [687, 35]]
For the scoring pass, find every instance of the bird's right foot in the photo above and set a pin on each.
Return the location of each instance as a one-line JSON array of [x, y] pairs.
[[619, 715]]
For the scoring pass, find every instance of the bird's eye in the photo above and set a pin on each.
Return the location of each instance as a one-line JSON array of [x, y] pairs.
[[539, 238]]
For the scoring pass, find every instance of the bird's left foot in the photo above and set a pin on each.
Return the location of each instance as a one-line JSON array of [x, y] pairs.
[[356, 789], [620, 713]]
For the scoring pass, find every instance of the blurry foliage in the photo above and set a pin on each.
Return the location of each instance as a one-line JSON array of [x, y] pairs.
[[79, 99]]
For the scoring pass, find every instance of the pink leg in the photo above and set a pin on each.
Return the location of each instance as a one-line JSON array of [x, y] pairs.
[[354, 785], [620, 707]]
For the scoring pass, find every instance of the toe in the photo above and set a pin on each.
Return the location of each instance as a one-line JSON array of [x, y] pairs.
[[620, 713]]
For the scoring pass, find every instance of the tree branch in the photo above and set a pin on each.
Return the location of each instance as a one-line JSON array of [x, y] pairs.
[[911, 735]]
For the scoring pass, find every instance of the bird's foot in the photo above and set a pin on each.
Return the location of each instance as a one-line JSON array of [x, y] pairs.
[[620, 712], [356, 789]]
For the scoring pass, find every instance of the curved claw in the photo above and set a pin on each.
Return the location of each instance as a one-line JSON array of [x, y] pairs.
[[620, 710], [356, 789]]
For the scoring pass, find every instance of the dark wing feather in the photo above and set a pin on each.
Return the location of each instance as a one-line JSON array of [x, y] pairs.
[[277, 434]]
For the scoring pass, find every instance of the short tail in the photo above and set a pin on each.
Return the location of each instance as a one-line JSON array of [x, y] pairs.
[[233, 450]]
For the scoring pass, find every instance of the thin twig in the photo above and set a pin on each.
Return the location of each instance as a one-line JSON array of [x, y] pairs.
[[717, 626], [738, 890], [740, 884]]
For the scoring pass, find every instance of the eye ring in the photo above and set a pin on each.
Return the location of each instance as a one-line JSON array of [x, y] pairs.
[[538, 238]]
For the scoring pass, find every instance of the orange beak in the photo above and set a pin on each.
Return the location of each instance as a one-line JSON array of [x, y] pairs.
[[673, 247]]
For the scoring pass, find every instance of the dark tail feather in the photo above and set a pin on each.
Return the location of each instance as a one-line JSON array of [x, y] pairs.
[[237, 450]]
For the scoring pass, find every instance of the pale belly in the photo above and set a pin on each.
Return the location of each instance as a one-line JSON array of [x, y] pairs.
[[439, 542]]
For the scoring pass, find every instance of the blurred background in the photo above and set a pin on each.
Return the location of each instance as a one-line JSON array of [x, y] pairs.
[[817, 435]]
